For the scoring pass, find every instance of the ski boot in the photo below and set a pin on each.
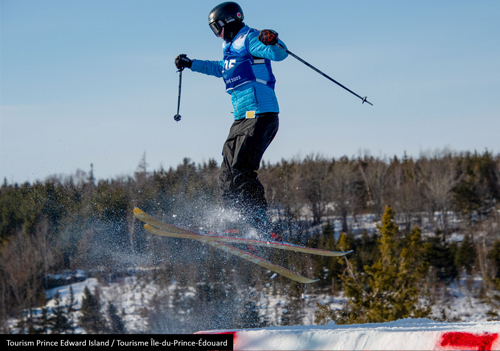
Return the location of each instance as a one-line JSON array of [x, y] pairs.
[[276, 237], [260, 221], [253, 250]]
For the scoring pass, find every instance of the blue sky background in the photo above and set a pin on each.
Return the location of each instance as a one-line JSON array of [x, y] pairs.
[[93, 81]]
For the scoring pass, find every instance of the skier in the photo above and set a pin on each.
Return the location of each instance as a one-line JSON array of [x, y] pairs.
[[246, 70]]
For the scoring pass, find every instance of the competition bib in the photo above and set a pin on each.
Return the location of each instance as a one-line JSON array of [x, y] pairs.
[[237, 73]]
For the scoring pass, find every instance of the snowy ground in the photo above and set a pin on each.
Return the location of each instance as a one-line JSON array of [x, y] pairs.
[[405, 334], [471, 331], [133, 296]]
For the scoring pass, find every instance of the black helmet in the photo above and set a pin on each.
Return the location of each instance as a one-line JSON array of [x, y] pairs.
[[226, 13]]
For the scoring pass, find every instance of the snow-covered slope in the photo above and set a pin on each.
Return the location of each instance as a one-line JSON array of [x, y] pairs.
[[406, 334]]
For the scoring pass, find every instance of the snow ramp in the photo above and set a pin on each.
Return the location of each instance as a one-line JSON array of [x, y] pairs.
[[405, 334]]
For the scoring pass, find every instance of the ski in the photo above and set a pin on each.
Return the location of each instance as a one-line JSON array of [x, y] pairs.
[[160, 228], [222, 246], [261, 262]]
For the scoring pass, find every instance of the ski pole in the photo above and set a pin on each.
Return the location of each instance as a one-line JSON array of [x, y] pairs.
[[363, 99], [177, 117]]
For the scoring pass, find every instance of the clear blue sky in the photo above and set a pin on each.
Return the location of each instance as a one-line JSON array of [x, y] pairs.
[[93, 81]]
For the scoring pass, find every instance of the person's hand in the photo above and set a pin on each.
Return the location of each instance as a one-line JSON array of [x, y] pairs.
[[182, 61], [268, 37]]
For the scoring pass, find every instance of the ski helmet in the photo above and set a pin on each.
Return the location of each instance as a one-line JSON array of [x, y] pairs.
[[228, 13]]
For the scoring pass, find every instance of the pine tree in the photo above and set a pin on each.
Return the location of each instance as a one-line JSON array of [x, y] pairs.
[[492, 298], [466, 255], [70, 310], [412, 269], [91, 179], [250, 317], [323, 314], [325, 267], [59, 323], [494, 256], [117, 324], [44, 321], [388, 289], [92, 321], [344, 245]]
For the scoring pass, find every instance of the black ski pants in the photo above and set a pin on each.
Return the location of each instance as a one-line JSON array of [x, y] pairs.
[[246, 143]]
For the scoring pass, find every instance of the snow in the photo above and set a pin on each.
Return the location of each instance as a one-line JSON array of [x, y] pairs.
[[472, 333], [64, 292], [405, 334], [458, 303]]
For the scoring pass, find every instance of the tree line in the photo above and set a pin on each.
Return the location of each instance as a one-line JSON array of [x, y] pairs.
[[78, 222], [62, 319]]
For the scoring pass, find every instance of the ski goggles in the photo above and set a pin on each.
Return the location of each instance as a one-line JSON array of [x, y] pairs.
[[216, 26]]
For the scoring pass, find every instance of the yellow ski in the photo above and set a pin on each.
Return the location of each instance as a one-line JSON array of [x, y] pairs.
[[152, 225], [178, 232]]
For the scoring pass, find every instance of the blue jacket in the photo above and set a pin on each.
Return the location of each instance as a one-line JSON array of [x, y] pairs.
[[246, 69]]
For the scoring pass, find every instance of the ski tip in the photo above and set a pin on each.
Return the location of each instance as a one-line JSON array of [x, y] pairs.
[[140, 214]]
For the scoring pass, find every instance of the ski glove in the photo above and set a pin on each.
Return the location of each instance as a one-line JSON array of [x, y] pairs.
[[182, 62], [268, 37]]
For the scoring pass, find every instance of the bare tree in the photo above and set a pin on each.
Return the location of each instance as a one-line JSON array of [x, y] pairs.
[[405, 190], [3, 298], [374, 173], [346, 183], [439, 179], [24, 261], [141, 172], [316, 182], [282, 184]]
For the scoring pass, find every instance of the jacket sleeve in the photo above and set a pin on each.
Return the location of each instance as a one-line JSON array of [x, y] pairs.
[[212, 68], [270, 52]]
